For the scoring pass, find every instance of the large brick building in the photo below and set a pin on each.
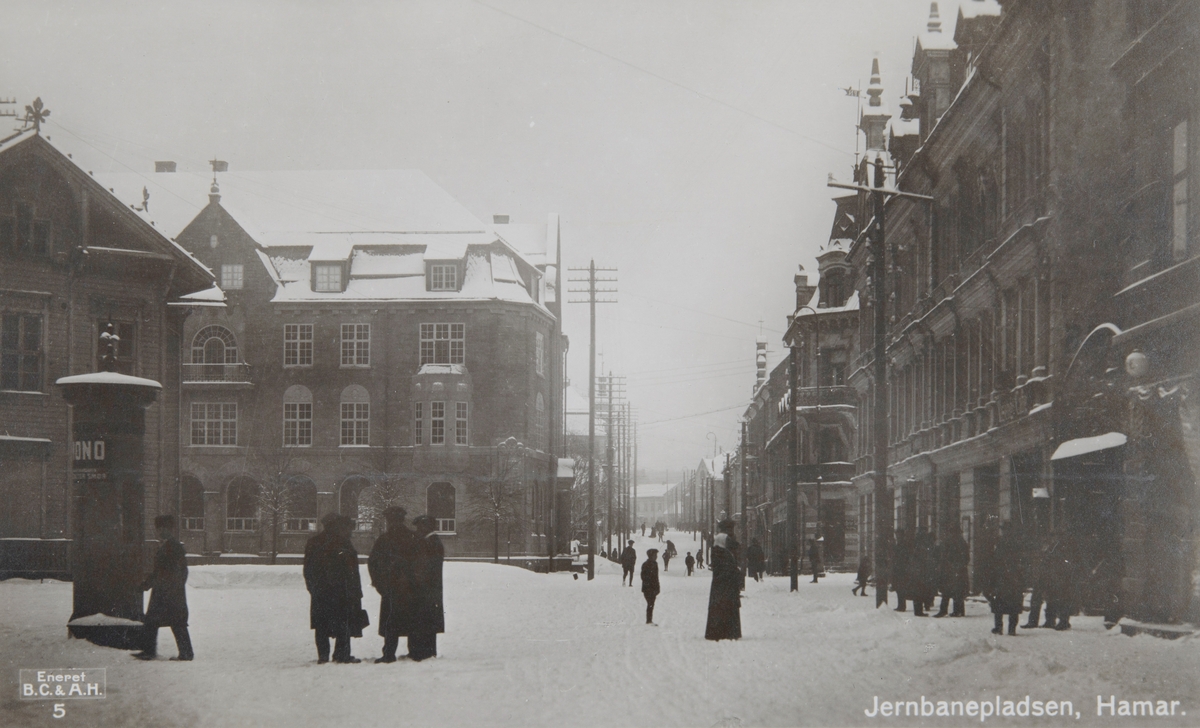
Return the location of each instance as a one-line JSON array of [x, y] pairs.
[[380, 345], [73, 259]]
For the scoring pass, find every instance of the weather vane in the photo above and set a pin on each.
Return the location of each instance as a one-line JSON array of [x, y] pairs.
[[35, 114]]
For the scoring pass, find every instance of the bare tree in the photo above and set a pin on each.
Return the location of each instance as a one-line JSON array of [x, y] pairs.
[[498, 499], [386, 491]]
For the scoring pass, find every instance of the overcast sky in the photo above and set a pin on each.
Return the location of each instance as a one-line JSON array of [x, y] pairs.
[[685, 143]]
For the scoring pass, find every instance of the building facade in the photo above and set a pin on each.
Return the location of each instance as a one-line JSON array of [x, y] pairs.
[[74, 259], [380, 346]]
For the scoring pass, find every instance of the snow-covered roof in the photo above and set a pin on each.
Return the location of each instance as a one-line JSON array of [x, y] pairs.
[[814, 303], [108, 378], [442, 369], [905, 127], [272, 205], [976, 8]]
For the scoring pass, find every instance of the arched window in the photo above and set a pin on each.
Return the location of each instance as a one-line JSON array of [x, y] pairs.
[[191, 506], [302, 512], [440, 506], [214, 345], [353, 501], [356, 417], [241, 505], [297, 416]]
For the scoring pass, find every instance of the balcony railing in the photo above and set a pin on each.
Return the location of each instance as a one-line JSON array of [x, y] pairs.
[[216, 373], [825, 396]]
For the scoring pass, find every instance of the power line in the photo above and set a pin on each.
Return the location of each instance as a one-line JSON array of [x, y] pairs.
[[698, 414]]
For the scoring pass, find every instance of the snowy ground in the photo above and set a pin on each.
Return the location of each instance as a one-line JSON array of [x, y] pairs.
[[527, 649]]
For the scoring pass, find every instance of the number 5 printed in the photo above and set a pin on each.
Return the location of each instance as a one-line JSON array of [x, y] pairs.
[[59, 710]]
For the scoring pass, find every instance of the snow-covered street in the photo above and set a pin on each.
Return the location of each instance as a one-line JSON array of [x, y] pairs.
[[549, 650]]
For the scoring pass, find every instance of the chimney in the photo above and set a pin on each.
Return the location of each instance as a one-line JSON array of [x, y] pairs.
[[164, 166], [804, 292]]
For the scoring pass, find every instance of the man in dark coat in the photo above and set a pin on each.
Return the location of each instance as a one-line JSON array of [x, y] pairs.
[[898, 569], [650, 587], [755, 559], [814, 558], [1038, 573], [690, 562], [668, 554], [331, 576], [724, 599], [1062, 574], [1005, 585], [429, 618], [628, 563], [953, 557], [391, 568], [921, 573], [168, 598]]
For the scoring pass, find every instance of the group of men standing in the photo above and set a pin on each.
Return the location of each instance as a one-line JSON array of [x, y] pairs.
[[921, 567], [405, 568]]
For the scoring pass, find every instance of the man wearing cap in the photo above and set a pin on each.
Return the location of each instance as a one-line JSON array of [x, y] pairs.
[[390, 566], [168, 598], [628, 562], [650, 587], [331, 576], [428, 616]]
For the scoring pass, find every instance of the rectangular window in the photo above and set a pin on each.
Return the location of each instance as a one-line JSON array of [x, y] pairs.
[[297, 424], [443, 277], [460, 423], [297, 345], [231, 276], [214, 423], [328, 278], [1179, 194], [437, 423], [539, 354], [356, 423], [443, 344], [419, 423], [21, 352], [356, 345]]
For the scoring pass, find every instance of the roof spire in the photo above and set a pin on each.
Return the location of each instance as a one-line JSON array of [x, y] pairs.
[[875, 90], [935, 20]]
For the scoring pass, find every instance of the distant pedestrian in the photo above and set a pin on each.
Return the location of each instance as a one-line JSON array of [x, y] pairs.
[[863, 576], [643, 529], [391, 568], [1005, 585], [700, 557], [921, 573], [814, 558], [666, 560], [898, 569], [331, 576], [650, 586], [168, 597], [1063, 577], [429, 619], [628, 562], [755, 559], [724, 599], [1038, 578]]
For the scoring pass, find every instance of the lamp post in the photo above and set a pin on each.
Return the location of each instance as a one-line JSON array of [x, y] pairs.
[[883, 524]]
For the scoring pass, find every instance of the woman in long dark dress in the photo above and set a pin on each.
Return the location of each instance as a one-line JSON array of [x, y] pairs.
[[724, 602]]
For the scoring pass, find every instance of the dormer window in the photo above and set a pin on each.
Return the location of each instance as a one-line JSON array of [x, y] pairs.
[[443, 277], [327, 278]]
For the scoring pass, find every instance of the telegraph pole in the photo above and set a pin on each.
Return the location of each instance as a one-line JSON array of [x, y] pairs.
[[745, 507], [883, 507], [591, 300]]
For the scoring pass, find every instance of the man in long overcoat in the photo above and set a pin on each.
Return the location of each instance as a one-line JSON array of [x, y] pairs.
[[628, 563], [650, 587], [899, 571], [429, 618], [953, 557], [921, 572], [390, 566], [1062, 574], [724, 599], [168, 598], [1005, 585], [331, 576]]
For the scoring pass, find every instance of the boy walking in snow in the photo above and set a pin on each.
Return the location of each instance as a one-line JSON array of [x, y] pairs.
[[650, 587], [689, 562], [628, 561]]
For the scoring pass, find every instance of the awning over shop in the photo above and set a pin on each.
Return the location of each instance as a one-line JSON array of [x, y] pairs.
[[1085, 445]]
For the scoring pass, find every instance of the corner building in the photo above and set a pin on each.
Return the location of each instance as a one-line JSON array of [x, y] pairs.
[[379, 346]]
